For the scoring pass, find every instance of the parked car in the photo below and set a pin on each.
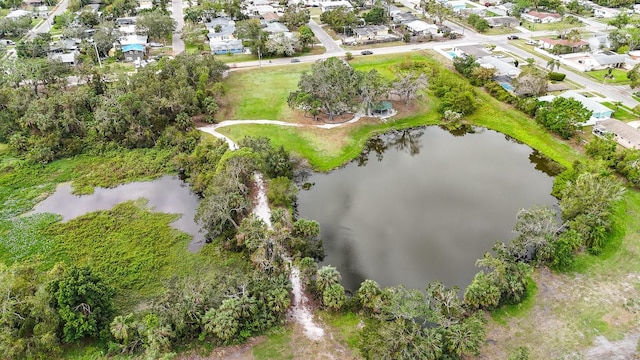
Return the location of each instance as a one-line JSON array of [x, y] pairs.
[[155, 45], [512, 37], [531, 42], [295, 60], [6, 42], [366, 52]]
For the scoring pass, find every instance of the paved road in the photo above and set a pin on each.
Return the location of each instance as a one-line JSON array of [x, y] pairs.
[[178, 16], [45, 26], [329, 44]]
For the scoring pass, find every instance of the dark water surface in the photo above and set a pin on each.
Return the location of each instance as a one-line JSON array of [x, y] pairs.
[[167, 194], [422, 205]]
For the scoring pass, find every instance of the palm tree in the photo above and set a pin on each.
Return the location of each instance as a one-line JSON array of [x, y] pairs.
[[553, 64]]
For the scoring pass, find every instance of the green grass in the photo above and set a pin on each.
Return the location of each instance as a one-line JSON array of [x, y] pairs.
[[621, 112], [504, 313], [135, 248], [619, 76], [346, 325], [262, 94], [277, 346], [234, 58], [561, 25]]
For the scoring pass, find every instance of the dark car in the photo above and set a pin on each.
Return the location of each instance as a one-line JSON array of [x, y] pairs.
[[295, 60], [512, 37], [366, 52]]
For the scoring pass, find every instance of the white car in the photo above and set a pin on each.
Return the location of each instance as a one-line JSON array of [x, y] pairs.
[[6, 42], [530, 42]]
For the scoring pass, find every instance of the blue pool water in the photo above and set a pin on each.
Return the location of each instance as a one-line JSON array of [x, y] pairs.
[[452, 54], [506, 86]]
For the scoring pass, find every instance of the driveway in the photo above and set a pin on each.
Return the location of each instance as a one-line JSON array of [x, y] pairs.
[[329, 44]]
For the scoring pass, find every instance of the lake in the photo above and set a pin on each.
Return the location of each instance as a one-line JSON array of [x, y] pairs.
[[423, 204]]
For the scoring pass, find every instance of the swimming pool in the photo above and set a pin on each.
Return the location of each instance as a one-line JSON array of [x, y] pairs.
[[452, 54], [506, 86]]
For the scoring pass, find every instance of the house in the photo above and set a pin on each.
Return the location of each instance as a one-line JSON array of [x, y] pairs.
[[132, 40], [275, 28], [502, 21], [125, 21], [503, 9], [476, 51], [403, 18], [570, 46], [33, 3], [626, 135], [221, 29], [541, 17], [133, 52], [144, 5], [332, 5], [17, 14], [270, 17], [127, 29], [41, 11], [371, 32], [419, 27], [599, 111], [258, 10], [64, 46], [599, 41], [603, 61], [504, 67], [456, 5], [69, 58], [605, 13], [226, 47]]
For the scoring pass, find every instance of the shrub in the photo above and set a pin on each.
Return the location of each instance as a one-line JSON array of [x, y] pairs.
[[554, 76], [282, 192]]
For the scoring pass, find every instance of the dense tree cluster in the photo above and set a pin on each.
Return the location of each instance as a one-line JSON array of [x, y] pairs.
[[53, 120], [41, 311], [333, 87], [563, 116]]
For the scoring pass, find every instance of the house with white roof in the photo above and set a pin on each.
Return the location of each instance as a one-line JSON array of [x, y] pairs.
[[332, 5], [599, 111], [605, 12], [18, 13], [624, 134], [221, 29], [541, 17], [419, 27], [503, 67], [226, 47]]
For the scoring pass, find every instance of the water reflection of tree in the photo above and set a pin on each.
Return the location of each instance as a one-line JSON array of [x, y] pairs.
[[408, 140]]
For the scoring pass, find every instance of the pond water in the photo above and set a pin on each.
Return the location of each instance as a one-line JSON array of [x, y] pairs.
[[423, 204], [167, 194]]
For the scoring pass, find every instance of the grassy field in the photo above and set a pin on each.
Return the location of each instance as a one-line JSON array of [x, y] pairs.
[[262, 94]]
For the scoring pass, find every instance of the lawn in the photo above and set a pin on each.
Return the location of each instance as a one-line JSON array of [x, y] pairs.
[[619, 76], [262, 93], [621, 112], [561, 25]]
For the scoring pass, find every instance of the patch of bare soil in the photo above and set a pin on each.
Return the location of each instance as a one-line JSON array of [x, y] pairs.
[[574, 317], [326, 348], [234, 352]]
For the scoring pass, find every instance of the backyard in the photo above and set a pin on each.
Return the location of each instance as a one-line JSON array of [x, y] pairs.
[[617, 76]]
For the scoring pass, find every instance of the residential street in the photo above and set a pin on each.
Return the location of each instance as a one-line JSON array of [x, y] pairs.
[[178, 16], [45, 26]]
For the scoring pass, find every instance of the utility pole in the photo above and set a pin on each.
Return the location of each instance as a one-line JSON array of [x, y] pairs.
[[97, 54]]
